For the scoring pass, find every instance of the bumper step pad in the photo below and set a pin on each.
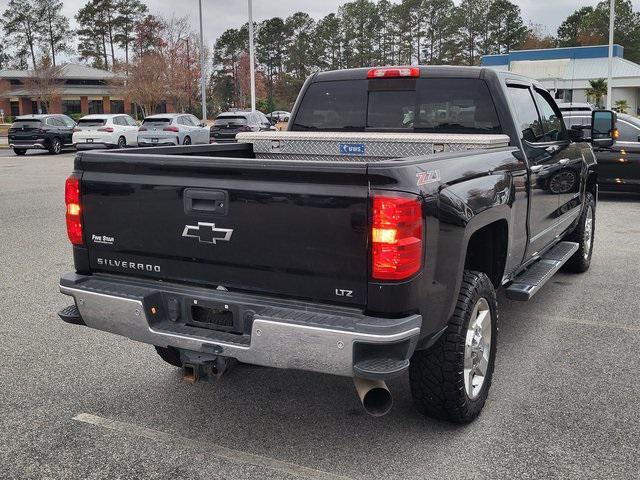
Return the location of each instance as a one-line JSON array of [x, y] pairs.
[[71, 315], [380, 368], [529, 282]]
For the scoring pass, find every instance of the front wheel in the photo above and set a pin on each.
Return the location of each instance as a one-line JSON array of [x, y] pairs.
[[186, 141], [122, 143], [451, 379], [19, 151], [583, 235], [55, 147]]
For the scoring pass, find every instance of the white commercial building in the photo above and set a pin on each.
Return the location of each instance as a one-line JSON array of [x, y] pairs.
[[566, 71]]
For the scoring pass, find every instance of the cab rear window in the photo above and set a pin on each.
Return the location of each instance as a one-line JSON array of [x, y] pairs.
[[429, 105]]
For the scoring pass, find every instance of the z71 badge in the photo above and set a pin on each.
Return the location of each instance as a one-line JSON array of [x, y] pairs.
[[430, 176]]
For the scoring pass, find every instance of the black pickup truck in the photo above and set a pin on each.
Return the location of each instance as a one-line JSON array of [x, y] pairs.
[[367, 241]]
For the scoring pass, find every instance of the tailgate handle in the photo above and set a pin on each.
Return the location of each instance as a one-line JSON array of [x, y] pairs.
[[206, 201]]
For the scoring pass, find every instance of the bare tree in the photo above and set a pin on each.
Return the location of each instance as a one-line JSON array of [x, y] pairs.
[[146, 83], [45, 82]]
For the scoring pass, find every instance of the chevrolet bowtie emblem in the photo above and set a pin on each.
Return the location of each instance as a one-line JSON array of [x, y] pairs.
[[207, 233]]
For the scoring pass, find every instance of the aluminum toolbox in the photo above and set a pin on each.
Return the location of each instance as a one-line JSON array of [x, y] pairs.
[[362, 145]]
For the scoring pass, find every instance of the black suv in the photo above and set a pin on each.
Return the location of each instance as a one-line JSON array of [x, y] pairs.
[[227, 124], [45, 132]]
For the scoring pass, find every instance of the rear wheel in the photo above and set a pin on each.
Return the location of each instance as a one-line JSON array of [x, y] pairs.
[[19, 151], [583, 235], [186, 141], [451, 380], [55, 146], [169, 355], [122, 142]]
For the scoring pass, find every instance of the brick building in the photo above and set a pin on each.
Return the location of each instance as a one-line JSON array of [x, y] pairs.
[[83, 90]]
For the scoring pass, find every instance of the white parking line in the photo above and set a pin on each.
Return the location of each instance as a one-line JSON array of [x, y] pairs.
[[216, 450]]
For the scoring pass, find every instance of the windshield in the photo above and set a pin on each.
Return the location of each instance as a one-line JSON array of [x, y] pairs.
[[26, 124], [88, 122], [230, 120], [430, 105]]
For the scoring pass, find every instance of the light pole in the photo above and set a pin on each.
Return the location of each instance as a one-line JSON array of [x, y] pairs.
[[252, 60], [203, 89], [612, 17]]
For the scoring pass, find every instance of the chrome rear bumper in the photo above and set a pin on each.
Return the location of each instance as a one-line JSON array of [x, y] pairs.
[[279, 334]]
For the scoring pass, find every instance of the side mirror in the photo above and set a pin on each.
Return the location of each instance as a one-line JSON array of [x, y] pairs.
[[603, 128]]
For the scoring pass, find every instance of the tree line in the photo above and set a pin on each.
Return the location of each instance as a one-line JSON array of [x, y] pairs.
[[161, 56], [371, 33]]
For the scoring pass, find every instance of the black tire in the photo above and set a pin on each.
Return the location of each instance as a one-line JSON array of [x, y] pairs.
[[581, 260], [186, 141], [55, 146], [169, 355], [122, 143], [20, 151], [437, 375]]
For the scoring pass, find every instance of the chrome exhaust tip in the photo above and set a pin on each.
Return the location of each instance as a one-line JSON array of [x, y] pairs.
[[375, 396]]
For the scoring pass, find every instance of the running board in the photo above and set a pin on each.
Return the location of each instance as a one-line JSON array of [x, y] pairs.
[[527, 284]]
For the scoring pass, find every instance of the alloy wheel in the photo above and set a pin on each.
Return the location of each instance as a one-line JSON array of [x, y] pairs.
[[477, 348]]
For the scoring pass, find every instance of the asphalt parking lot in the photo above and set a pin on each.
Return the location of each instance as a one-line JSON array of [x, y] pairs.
[[78, 403]]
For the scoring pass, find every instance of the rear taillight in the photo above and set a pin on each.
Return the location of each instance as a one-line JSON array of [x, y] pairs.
[[387, 72], [396, 236], [72, 201], [171, 129], [106, 129], [77, 129]]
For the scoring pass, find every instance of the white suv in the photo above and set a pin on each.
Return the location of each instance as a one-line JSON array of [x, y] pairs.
[[105, 131]]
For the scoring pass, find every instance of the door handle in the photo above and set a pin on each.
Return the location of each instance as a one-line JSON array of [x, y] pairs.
[[200, 201]]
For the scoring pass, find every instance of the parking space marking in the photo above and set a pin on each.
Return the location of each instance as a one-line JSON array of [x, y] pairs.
[[236, 456]]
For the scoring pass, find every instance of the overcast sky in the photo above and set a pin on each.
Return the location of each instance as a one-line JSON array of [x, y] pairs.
[[222, 14]]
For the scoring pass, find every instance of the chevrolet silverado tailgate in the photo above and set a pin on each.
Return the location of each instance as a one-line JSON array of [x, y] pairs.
[[292, 228]]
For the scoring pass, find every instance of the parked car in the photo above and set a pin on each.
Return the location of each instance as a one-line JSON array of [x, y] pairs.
[[618, 164], [105, 131], [44, 132], [172, 129], [279, 116], [375, 250], [576, 107], [228, 124]]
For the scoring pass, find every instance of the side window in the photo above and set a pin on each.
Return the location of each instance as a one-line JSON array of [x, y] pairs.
[[185, 121], [552, 125], [526, 114], [50, 121], [194, 120], [628, 132], [130, 121], [117, 121]]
